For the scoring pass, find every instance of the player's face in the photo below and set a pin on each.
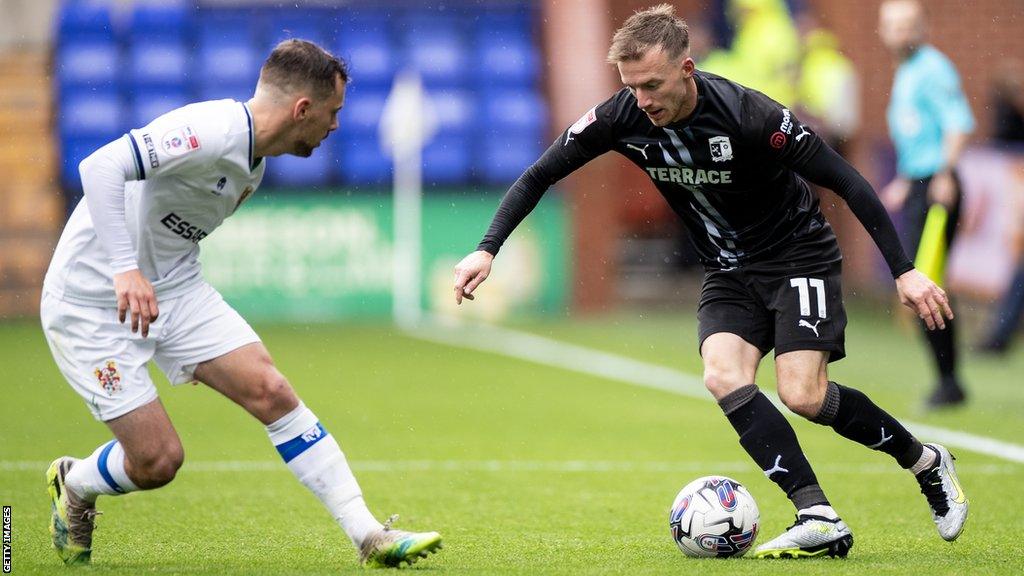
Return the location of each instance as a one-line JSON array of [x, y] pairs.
[[900, 26], [662, 86], [319, 120]]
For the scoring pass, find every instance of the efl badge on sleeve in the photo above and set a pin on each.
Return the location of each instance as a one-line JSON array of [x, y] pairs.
[[721, 148], [586, 120], [109, 378], [180, 141]]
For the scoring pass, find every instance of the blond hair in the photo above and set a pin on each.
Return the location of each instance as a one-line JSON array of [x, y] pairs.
[[655, 27]]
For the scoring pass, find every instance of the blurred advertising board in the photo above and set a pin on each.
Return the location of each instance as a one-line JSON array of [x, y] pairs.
[[324, 257]]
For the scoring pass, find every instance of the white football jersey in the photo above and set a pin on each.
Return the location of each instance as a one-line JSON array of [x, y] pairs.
[[195, 167]]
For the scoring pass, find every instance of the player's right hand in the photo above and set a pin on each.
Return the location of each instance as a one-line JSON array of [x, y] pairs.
[[469, 273], [135, 293]]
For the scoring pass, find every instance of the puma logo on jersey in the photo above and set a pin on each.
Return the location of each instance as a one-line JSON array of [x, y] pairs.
[[639, 149], [884, 440], [803, 132], [775, 467], [812, 327]]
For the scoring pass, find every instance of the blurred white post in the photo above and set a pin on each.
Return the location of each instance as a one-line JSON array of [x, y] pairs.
[[407, 124]]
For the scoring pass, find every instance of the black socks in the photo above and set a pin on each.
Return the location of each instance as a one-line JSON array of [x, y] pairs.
[[769, 439], [854, 416]]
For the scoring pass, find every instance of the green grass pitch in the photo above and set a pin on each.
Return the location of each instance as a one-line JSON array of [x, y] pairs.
[[523, 468]]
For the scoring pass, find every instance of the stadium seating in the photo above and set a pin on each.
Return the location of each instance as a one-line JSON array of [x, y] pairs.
[[119, 69]]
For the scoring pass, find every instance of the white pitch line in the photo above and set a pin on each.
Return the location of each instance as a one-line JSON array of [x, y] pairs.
[[575, 358], [508, 466]]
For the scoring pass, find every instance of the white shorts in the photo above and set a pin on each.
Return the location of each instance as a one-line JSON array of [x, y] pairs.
[[108, 365]]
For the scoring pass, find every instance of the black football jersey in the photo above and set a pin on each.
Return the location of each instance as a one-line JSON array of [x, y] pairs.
[[726, 170]]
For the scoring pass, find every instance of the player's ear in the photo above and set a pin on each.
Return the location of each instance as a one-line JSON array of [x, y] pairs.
[[301, 108], [688, 67]]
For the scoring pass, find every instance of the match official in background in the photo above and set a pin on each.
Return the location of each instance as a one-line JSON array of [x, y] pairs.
[[131, 249], [929, 122], [732, 163]]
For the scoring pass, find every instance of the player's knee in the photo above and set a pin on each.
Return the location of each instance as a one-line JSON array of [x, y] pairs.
[[274, 396], [803, 400], [723, 382]]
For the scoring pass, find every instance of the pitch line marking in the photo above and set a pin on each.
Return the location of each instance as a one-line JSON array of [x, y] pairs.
[[507, 466], [580, 359]]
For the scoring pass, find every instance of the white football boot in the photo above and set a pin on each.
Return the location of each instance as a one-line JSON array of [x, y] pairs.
[[941, 487], [809, 537]]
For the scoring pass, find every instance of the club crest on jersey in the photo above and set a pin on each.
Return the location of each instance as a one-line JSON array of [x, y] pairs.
[[580, 125], [180, 141], [108, 377], [721, 148]]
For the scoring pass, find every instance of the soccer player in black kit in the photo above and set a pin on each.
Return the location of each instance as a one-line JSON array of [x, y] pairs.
[[732, 163]]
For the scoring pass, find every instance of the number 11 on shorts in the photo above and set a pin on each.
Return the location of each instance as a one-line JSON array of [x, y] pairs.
[[801, 285]]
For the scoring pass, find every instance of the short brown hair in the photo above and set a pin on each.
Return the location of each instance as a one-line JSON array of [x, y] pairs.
[[295, 64], [656, 26]]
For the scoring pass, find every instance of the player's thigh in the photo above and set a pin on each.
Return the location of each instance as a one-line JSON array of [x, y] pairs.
[[247, 376], [201, 326], [801, 377], [734, 332], [99, 357], [807, 306]]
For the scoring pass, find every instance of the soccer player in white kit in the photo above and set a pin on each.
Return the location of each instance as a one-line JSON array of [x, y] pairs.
[[130, 249]]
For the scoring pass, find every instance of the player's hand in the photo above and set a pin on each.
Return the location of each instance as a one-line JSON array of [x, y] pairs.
[[135, 294], [942, 189], [469, 273], [895, 194], [924, 297]]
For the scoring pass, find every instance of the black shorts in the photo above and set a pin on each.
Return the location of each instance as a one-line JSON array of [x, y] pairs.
[[915, 212], [784, 305]]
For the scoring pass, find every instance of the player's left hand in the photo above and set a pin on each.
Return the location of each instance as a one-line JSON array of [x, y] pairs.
[[942, 189], [924, 297], [469, 273]]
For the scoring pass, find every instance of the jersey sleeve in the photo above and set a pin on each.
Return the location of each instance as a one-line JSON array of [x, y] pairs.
[[774, 132], [589, 137], [176, 141], [945, 97]]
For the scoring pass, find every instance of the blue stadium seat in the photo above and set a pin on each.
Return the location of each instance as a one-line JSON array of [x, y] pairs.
[[369, 54], [455, 110], [307, 24], [516, 110], [148, 105], [85, 20], [159, 62], [160, 18], [91, 113], [295, 172], [227, 52], [446, 159], [507, 61], [502, 160], [88, 62], [362, 111], [240, 92], [360, 160], [436, 47], [73, 151]]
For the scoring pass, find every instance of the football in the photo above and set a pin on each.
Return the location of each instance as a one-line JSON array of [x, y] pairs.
[[714, 517]]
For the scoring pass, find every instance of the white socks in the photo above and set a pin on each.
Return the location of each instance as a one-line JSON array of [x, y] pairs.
[[928, 459], [317, 461], [101, 473], [823, 510]]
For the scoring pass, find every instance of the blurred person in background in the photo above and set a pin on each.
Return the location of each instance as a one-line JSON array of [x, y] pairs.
[[929, 122], [828, 92], [1008, 112], [731, 162], [131, 249]]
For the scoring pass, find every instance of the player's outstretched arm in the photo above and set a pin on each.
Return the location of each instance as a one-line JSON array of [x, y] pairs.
[[470, 273], [925, 298]]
